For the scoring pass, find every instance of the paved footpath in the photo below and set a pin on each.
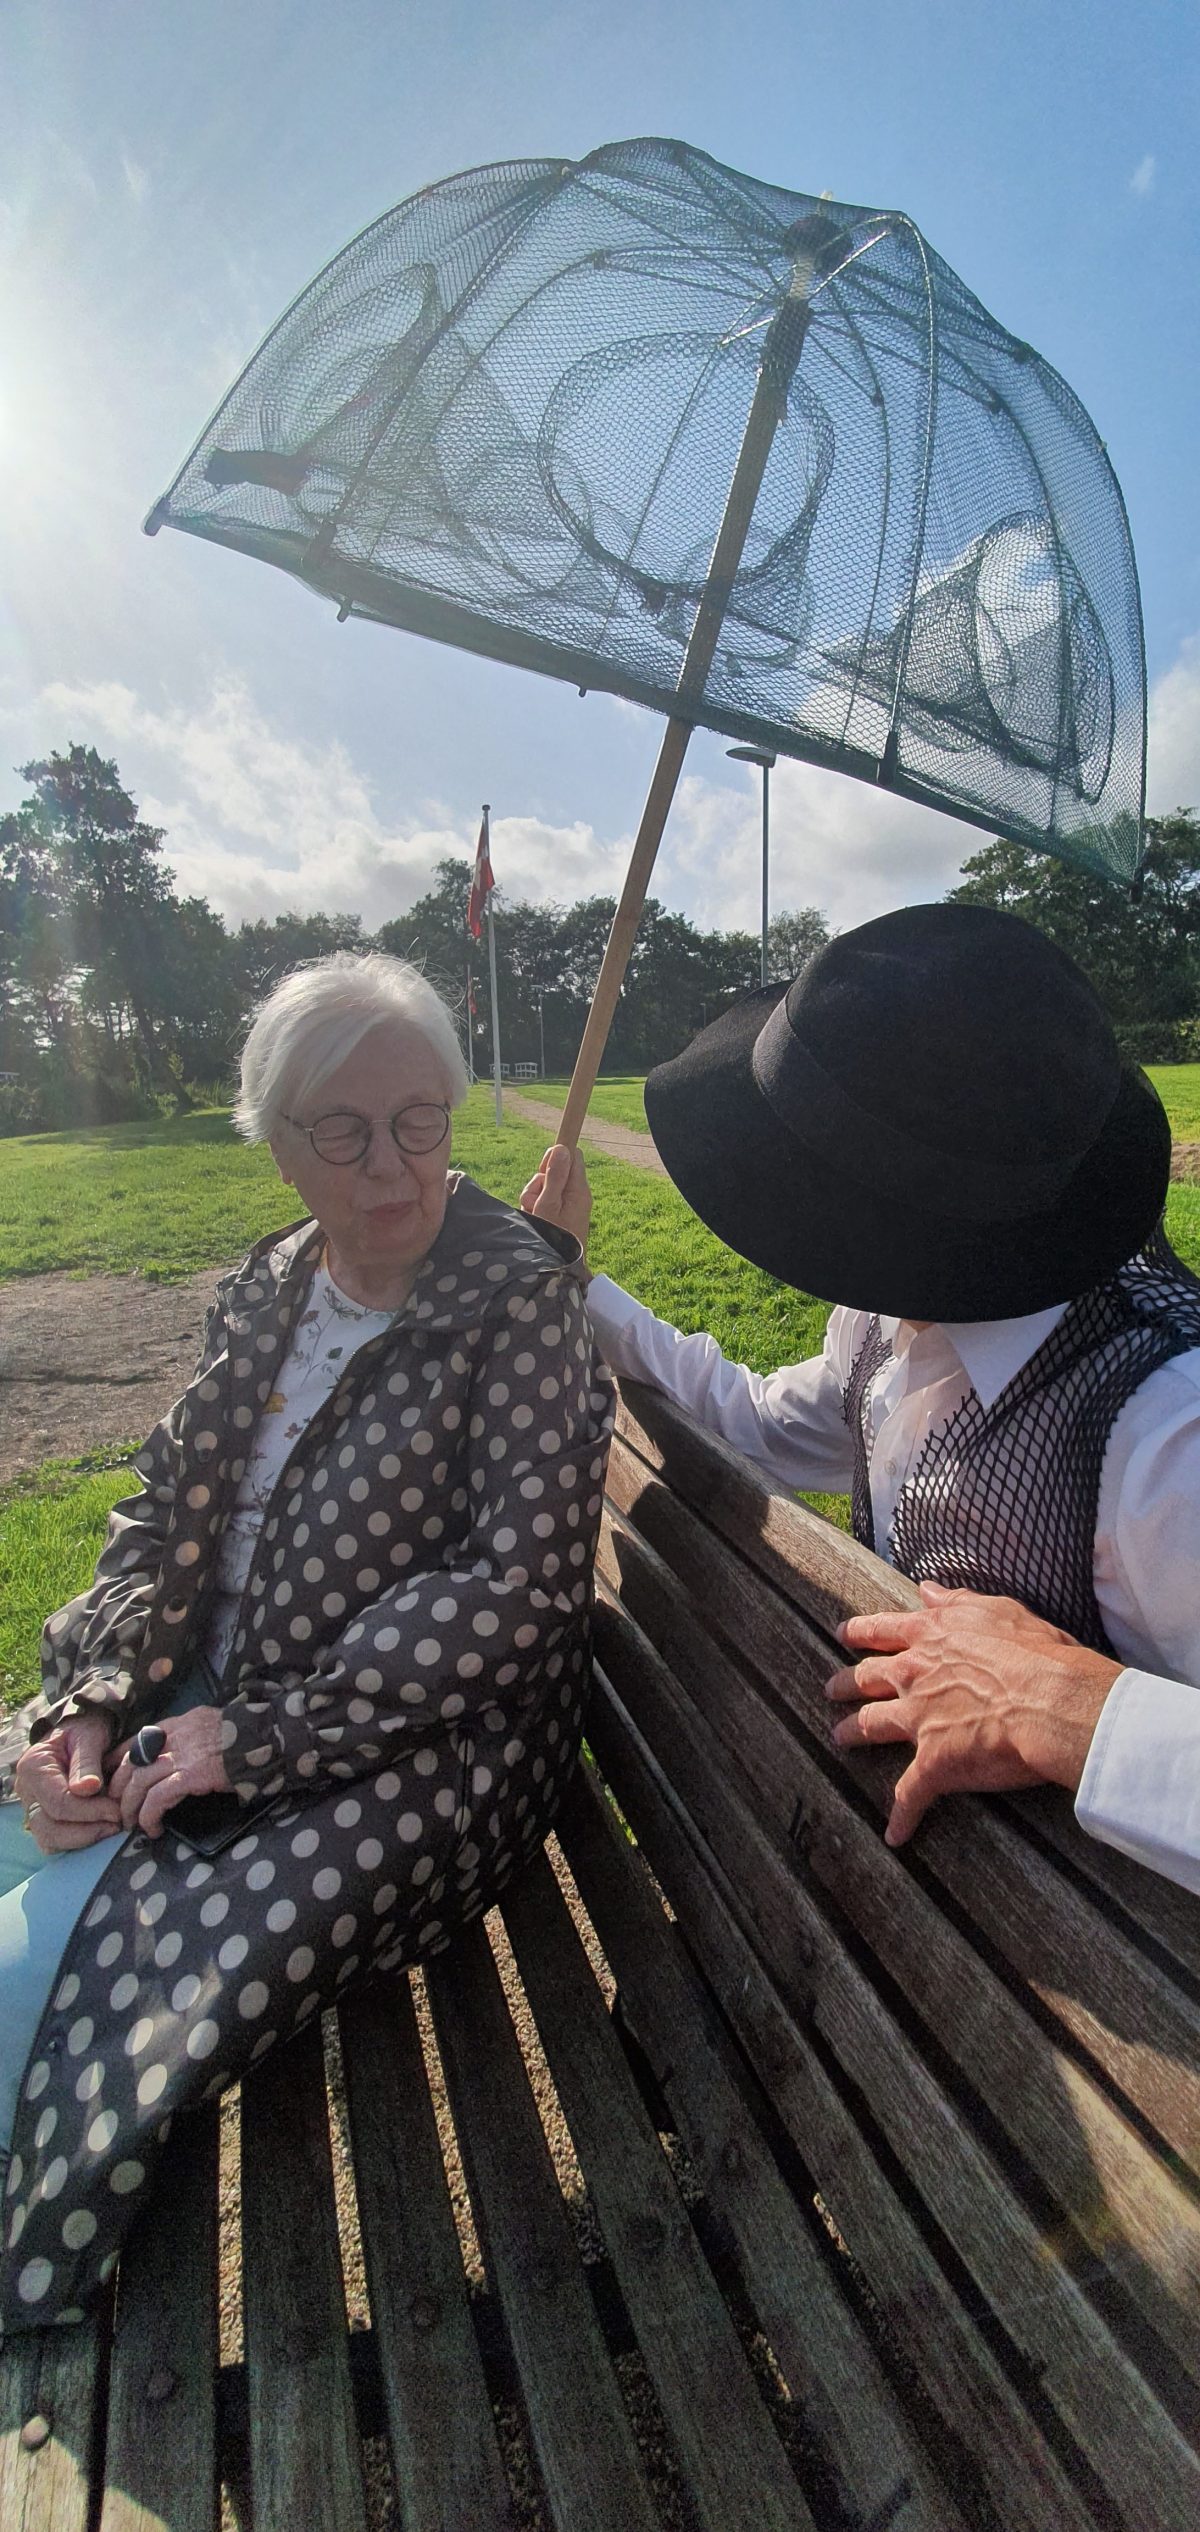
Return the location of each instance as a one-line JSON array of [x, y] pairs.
[[621, 1142]]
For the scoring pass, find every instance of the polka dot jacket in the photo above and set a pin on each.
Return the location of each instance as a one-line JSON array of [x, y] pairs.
[[407, 1680]]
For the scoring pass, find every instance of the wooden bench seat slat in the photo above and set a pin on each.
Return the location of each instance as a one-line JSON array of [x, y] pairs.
[[1107, 2180], [161, 2462], [1015, 2266], [731, 2457], [305, 2454], [52, 2385], [445, 2459], [872, 2456], [581, 2434], [1140, 2029]]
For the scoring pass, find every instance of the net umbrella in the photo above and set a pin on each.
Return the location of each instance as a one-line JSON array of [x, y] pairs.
[[757, 460]]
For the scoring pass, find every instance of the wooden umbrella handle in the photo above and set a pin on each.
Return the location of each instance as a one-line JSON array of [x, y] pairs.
[[625, 923], [781, 351]]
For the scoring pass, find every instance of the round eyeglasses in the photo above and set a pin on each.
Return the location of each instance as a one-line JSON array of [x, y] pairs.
[[342, 1136]]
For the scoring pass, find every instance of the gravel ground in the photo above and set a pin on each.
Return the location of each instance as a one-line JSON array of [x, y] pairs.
[[86, 1363]]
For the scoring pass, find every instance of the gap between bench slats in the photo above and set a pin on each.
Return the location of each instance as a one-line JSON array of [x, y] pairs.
[[1123, 2009], [731, 2458], [305, 2454], [441, 2430], [1100, 2397], [830, 1577], [581, 2434], [161, 2464], [1076, 2142], [876, 2469]]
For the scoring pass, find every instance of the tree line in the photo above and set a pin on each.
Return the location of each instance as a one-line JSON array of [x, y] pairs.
[[117, 993]]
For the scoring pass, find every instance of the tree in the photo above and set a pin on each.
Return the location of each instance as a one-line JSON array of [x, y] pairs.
[[793, 937], [1143, 957], [263, 952], [109, 888]]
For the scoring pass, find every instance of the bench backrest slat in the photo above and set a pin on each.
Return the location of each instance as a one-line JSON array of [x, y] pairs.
[[1110, 2186], [1078, 1960], [986, 2438]]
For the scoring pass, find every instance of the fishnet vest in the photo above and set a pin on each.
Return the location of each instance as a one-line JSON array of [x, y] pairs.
[[1003, 1498]]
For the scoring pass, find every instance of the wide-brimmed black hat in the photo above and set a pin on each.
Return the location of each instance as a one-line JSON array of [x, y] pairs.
[[932, 1121]]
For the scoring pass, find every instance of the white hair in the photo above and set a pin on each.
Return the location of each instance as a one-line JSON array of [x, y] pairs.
[[315, 1018]]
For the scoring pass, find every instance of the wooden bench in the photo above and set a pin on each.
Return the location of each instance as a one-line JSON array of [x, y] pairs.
[[908, 2235]]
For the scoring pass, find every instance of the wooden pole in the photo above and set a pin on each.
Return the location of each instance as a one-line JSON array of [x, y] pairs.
[[781, 351], [491, 931]]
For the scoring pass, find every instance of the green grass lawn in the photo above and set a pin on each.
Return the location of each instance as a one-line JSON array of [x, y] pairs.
[[51, 1531], [618, 1100], [1178, 1087], [166, 1199]]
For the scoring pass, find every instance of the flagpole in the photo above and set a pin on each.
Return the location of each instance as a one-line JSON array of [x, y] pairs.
[[470, 1027], [487, 830]]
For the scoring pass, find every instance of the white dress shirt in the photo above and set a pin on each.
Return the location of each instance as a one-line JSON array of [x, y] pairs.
[[1141, 1786]]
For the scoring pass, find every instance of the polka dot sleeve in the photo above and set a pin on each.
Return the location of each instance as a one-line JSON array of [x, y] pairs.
[[509, 1591], [90, 1647]]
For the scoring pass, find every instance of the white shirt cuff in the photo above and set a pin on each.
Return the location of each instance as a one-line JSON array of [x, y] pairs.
[[1140, 1788]]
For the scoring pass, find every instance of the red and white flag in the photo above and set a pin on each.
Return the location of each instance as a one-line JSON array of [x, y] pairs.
[[482, 884]]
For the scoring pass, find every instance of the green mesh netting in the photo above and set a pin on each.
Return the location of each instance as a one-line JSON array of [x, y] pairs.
[[508, 416]]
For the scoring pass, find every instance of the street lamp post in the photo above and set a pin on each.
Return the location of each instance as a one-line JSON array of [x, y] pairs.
[[761, 756], [542, 1034]]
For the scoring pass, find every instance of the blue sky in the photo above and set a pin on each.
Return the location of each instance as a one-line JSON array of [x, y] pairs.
[[171, 174]]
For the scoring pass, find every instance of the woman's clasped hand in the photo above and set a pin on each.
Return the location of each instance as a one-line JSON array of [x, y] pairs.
[[61, 1784]]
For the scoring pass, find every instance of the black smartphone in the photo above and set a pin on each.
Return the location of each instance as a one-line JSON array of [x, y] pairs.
[[207, 1822]]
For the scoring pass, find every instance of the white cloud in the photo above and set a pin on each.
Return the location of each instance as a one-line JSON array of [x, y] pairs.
[[1142, 179], [260, 821], [137, 178], [837, 844], [1173, 743]]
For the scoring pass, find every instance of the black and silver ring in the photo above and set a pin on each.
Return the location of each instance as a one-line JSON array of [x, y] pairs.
[[147, 1745]]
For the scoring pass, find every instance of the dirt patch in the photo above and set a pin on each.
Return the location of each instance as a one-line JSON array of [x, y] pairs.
[[87, 1364], [1185, 1163]]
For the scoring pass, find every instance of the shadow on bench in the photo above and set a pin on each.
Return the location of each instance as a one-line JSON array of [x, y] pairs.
[[909, 2236]]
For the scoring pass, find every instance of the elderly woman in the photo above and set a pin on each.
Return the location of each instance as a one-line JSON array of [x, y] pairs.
[[353, 1599]]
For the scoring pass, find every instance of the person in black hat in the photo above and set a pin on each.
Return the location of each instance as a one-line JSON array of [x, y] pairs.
[[933, 1128]]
